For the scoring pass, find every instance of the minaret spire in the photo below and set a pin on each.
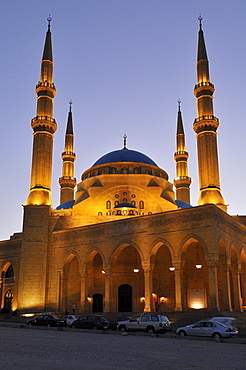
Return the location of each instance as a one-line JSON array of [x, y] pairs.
[[67, 181], [182, 181], [205, 126], [44, 126]]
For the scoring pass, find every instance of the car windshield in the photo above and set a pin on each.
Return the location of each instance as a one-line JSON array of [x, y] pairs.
[[102, 318], [163, 318]]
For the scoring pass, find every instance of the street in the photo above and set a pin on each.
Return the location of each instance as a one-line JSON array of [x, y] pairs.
[[33, 348]]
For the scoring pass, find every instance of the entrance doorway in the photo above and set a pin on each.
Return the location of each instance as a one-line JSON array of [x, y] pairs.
[[125, 298], [8, 298], [97, 305]]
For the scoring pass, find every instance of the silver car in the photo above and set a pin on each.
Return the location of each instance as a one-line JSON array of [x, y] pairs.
[[208, 328], [149, 322]]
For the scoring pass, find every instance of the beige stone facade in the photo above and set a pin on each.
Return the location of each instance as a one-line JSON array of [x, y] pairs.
[[125, 241]]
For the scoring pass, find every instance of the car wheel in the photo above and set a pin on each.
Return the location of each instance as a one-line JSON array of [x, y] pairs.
[[182, 333], [216, 335], [150, 330], [72, 326], [122, 328], [94, 327]]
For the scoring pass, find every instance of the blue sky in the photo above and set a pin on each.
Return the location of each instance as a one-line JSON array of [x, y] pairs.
[[124, 64]]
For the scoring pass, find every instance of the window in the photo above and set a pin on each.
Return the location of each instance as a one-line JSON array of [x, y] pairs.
[[108, 204], [125, 193], [116, 203], [124, 200], [154, 318], [99, 213], [141, 204], [10, 272], [133, 202], [118, 212]]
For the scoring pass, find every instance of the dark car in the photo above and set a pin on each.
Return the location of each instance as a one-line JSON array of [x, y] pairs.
[[90, 322], [113, 322], [47, 320]]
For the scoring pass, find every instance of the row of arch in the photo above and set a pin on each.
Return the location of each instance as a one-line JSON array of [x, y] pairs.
[[164, 283]]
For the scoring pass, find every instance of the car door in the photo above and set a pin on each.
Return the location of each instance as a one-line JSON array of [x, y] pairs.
[[82, 322], [196, 329], [144, 322], [133, 323]]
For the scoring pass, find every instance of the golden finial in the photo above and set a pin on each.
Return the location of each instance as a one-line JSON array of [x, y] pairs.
[[70, 103], [49, 19], [179, 102], [200, 21], [125, 137]]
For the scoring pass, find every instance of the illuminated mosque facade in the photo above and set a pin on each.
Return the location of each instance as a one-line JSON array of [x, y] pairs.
[[124, 238]]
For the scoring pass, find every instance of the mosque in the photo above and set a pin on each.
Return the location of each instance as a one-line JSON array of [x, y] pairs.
[[124, 238]]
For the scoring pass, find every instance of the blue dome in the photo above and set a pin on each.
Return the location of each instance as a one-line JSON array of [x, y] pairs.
[[66, 205], [124, 155], [125, 205]]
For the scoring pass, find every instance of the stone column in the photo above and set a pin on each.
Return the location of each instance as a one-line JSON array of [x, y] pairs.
[[107, 297], [226, 290], [61, 291], [82, 290], [236, 289], [148, 284], [213, 285], [178, 286]]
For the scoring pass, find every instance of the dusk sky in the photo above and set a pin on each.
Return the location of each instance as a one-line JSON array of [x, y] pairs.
[[124, 64]]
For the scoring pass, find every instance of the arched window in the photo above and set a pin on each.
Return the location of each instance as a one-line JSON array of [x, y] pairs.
[[10, 272], [141, 204], [100, 214], [133, 202], [124, 200], [131, 212], [108, 204], [118, 212], [116, 203]]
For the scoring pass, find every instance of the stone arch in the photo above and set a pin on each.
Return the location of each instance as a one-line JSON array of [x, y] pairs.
[[95, 284], [71, 282], [126, 270], [7, 284], [192, 253], [161, 257], [234, 279], [243, 275], [223, 277]]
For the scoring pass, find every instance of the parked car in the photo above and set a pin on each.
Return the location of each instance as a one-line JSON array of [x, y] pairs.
[[229, 321], [70, 319], [208, 328], [47, 320], [90, 322], [149, 323], [113, 322]]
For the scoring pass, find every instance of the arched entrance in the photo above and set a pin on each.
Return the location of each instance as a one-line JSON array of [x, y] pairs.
[[8, 298], [125, 298], [97, 305]]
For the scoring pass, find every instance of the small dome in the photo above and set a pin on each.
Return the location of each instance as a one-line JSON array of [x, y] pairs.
[[125, 205], [124, 155]]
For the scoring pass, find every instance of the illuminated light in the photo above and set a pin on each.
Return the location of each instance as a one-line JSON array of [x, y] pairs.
[[28, 314], [142, 299], [198, 266], [162, 299], [197, 305], [136, 270], [103, 272], [172, 268], [89, 298]]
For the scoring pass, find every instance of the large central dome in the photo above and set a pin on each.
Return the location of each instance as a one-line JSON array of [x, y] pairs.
[[124, 155]]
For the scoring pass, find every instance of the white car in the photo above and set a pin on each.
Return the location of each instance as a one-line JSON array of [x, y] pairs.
[[208, 328], [70, 319], [150, 323]]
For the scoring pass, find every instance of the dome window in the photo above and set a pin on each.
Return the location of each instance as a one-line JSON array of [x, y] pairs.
[[124, 200], [141, 204], [116, 203], [133, 196], [108, 204], [116, 195], [133, 202]]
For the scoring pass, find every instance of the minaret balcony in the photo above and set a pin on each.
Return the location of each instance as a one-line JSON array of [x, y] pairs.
[[68, 156], [44, 123], [182, 181], [45, 85], [206, 123], [67, 182], [181, 155]]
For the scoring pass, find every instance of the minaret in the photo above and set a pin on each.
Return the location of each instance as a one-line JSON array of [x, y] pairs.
[[182, 181], [67, 181], [205, 126], [44, 126]]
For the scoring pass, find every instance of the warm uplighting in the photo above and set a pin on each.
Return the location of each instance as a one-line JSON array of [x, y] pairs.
[[172, 268], [28, 314], [135, 270], [142, 299], [88, 298], [162, 299], [197, 305]]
